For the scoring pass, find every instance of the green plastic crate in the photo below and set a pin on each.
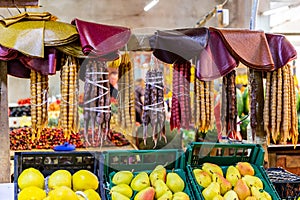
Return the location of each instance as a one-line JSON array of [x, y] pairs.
[[144, 160], [224, 155]]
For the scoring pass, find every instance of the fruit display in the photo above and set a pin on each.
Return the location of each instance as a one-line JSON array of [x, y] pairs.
[[240, 181], [59, 185], [158, 184], [20, 139]]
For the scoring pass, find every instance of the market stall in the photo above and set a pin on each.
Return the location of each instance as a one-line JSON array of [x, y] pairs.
[[197, 58]]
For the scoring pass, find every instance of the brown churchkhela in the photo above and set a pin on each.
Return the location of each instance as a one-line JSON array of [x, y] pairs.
[[154, 111], [96, 101]]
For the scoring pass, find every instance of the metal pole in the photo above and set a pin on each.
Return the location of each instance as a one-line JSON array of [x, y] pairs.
[[253, 14]]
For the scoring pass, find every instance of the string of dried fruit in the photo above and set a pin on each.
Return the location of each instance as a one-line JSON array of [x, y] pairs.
[[280, 117], [39, 100], [253, 101], [203, 105], [68, 119], [193, 97], [154, 111], [146, 111], [126, 109], [180, 112], [232, 104], [229, 108], [97, 110]]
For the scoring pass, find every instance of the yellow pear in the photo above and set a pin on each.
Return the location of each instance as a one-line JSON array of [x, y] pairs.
[[166, 196], [231, 195], [241, 189], [122, 177], [122, 189], [62, 193], [175, 182], [260, 193], [202, 177], [225, 185], [145, 194], [92, 194], [251, 198], [180, 196], [253, 181], [160, 188], [60, 178], [212, 168], [31, 177], [118, 196], [159, 172], [211, 191], [245, 168], [218, 197], [140, 181], [84, 180], [232, 175], [32, 192]]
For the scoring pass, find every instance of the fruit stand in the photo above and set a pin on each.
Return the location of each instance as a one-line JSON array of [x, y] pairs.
[[215, 54]]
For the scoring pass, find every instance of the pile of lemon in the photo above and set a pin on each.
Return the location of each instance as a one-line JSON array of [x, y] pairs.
[[62, 185]]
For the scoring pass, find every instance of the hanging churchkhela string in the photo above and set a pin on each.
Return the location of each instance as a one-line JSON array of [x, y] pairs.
[[69, 118], [126, 101], [97, 110], [154, 110], [39, 102]]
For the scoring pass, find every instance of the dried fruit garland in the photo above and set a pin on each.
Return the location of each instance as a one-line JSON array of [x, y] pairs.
[[126, 100], [181, 112], [97, 110], [39, 102], [203, 105], [69, 85], [280, 113], [154, 110], [229, 107]]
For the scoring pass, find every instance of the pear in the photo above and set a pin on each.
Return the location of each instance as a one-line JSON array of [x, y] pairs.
[[218, 197], [231, 195], [253, 181], [140, 181], [175, 182], [122, 177], [225, 185], [180, 196], [145, 194], [241, 189], [160, 188], [251, 198], [212, 190], [212, 168], [260, 193], [118, 196], [232, 174], [122, 189], [159, 172], [245, 168], [166, 196], [202, 177]]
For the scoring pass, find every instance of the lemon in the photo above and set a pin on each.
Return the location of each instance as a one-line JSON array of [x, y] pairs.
[[60, 178], [31, 177], [83, 180], [32, 193], [62, 193], [92, 194]]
